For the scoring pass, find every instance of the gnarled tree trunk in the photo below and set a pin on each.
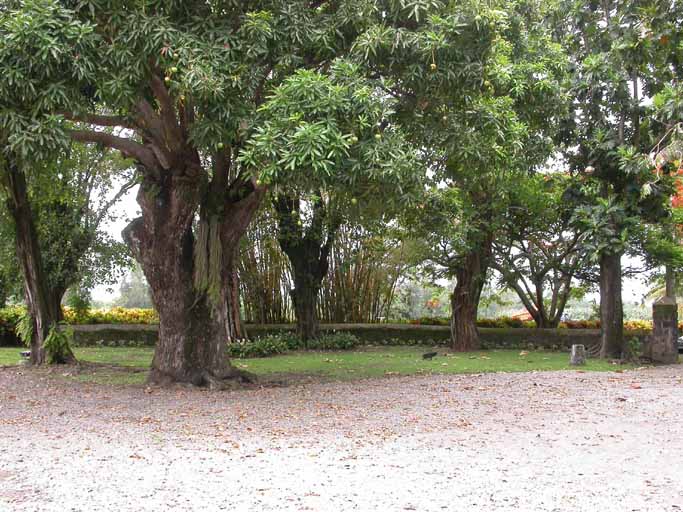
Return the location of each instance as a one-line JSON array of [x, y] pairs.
[[611, 308], [196, 321], [190, 279], [44, 303], [470, 279]]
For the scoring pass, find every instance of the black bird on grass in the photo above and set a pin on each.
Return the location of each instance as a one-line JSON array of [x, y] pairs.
[[430, 355]]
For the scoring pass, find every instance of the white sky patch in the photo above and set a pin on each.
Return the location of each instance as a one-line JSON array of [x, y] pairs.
[[123, 212]]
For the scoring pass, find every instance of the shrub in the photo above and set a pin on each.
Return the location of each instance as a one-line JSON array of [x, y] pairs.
[[634, 348], [334, 341], [487, 322], [638, 325], [57, 343], [512, 322], [78, 299], [274, 344], [270, 345], [9, 317], [24, 328], [291, 340]]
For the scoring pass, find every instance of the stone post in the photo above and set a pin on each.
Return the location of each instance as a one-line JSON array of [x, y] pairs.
[[662, 345], [578, 357]]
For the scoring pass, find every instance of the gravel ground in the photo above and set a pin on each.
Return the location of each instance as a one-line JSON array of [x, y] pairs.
[[536, 441]]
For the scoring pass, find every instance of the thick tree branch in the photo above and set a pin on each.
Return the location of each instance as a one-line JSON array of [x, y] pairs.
[[98, 120], [128, 148], [168, 112], [512, 280], [149, 121]]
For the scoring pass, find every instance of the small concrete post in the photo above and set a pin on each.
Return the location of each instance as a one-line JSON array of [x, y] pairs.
[[578, 357]]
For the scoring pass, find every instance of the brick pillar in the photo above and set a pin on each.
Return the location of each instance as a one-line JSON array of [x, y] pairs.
[[662, 345]]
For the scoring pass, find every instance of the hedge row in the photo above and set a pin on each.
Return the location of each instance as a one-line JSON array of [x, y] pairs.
[[9, 316], [277, 339], [283, 342], [269, 344], [274, 344], [111, 316], [512, 331], [504, 322]]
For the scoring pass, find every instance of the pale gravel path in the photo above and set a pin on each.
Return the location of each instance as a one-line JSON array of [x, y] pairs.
[[561, 441]]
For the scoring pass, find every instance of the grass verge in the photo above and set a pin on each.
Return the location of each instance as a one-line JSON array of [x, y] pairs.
[[124, 366]]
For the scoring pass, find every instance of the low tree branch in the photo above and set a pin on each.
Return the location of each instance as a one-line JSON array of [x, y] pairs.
[[128, 148], [98, 120]]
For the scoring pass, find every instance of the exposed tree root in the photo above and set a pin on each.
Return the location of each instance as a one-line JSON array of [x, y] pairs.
[[230, 378]]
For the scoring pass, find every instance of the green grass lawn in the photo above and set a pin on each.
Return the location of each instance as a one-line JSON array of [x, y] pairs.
[[132, 357], [381, 361], [368, 362]]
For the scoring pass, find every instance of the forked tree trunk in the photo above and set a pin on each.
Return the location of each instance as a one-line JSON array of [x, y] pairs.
[[470, 279], [532, 295], [44, 303], [546, 323], [308, 253], [195, 325], [189, 280], [543, 318], [611, 308]]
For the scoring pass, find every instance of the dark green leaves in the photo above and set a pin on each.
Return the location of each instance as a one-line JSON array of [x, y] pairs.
[[330, 131]]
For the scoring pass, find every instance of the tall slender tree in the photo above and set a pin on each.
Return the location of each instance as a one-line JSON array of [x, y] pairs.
[[620, 57], [479, 89], [56, 219]]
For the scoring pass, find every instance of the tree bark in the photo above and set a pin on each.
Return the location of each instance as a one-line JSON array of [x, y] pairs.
[[195, 323], [470, 279], [235, 325], [305, 299], [44, 303], [611, 308]]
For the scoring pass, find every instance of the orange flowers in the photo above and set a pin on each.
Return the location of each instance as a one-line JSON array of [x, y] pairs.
[[677, 198]]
